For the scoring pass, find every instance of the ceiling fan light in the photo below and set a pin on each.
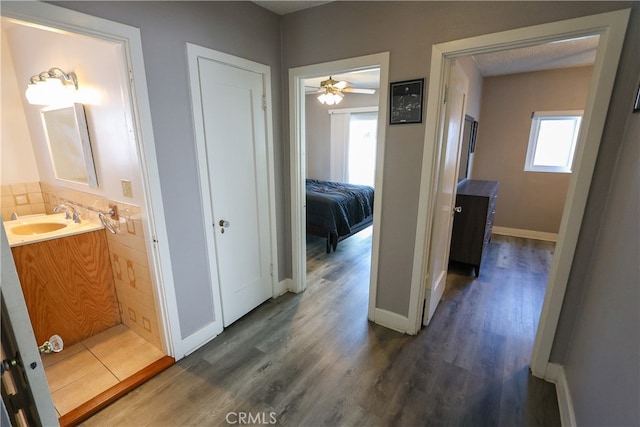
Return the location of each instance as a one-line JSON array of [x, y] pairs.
[[322, 98]]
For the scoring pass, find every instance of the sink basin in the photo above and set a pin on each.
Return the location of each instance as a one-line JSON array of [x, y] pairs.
[[37, 228]]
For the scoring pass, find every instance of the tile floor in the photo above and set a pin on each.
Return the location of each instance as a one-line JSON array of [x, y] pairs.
[[84, 370]]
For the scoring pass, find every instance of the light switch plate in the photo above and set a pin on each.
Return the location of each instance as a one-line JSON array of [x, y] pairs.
[[126, 188]]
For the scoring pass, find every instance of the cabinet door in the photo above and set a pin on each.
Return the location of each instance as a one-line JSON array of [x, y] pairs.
[[469, 229]]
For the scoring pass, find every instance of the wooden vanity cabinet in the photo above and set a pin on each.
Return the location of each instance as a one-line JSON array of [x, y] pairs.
[[472, 226], [68, 286]]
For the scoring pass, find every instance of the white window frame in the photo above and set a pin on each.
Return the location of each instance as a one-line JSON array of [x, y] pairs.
[[536, 119]]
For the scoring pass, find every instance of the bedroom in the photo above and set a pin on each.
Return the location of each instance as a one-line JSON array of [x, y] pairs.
[[341, 148], [341, 144]]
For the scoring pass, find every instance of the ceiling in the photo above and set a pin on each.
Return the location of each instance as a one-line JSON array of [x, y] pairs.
[[284, 7], [562, 54], [364, 79]]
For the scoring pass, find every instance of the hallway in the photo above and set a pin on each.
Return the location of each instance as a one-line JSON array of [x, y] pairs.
[[314, 359]]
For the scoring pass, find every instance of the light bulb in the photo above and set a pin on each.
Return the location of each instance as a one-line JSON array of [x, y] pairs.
[[51, 91]]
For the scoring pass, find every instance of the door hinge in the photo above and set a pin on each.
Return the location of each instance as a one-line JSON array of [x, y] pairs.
[[271, 269], [264, 102], [446, 94]]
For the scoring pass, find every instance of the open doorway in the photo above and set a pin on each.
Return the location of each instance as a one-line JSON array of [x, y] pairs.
[[610, 25], [341, 145], [500, 293], [122, 272], [301, 150]]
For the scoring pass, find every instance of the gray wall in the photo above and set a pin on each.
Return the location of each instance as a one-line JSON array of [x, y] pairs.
[[527, 200], [603, 359], [238, 28], [318, 131], [408, 30]]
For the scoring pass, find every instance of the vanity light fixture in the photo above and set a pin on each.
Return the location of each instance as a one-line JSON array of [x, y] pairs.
[[52, 87]]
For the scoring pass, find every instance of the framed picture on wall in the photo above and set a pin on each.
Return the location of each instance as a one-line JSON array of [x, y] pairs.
[[406, 102]]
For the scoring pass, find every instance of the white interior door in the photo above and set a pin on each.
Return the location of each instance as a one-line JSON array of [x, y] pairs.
[[235, 135], [447, 180]]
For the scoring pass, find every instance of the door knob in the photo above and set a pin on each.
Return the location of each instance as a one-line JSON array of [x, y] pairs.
[[224, 223], [457, 209]]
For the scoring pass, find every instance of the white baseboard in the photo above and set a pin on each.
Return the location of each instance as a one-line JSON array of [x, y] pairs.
[[391, 320], [555, 374], [527, 234], [284, 286]]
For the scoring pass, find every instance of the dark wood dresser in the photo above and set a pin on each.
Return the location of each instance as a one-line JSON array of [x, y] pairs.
[[472, 226]]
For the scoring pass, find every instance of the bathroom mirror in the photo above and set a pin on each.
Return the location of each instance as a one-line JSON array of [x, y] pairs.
[[69, 144]]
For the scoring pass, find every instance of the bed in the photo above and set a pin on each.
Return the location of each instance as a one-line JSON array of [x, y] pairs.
[[336, 210]]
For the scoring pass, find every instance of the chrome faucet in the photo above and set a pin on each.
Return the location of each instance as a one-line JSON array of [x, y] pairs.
[[70, 211]]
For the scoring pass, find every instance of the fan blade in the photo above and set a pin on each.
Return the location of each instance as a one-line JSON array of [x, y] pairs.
[[341, 84], [356, 90]]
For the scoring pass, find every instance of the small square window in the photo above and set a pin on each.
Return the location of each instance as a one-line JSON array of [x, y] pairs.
[[552, 141]]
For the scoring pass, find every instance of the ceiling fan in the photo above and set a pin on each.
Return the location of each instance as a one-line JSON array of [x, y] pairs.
[[331, 91]]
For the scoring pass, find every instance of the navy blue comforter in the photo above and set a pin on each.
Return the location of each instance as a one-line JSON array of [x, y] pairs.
[[337, 206]]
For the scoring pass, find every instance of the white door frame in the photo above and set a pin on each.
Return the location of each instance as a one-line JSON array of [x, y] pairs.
[[297, 155], [129, 39], [194, 52], [611, 27]]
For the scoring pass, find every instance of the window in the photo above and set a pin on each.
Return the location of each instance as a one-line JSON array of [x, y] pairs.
[[361, 168], [353, 145], [552, 141]]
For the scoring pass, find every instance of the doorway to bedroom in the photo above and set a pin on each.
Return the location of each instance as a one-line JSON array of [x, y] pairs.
[[337, 150], [341, 121]]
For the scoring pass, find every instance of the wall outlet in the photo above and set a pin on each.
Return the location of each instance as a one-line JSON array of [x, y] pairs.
[[126, 188]]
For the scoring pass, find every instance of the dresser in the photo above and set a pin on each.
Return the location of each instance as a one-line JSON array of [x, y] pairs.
[[472, 225]]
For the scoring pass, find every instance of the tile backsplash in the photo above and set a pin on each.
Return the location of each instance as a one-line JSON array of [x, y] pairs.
[[22, 199], [127, 248]]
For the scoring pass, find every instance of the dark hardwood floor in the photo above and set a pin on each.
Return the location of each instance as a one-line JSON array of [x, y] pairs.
[[313, 359]]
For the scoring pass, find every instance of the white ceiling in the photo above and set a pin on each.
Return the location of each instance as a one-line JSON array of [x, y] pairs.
[[284, 7], [363, 79], [562, 54]]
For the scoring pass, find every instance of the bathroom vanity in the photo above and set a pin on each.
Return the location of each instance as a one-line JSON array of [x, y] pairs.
[[67, 282]]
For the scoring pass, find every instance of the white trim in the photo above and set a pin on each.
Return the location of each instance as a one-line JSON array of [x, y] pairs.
[[371, 109], [555, 373], [284, 286], [194, 53], [297, 161], [526, 234], [155, 226], [391, 320], [611, 27]]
